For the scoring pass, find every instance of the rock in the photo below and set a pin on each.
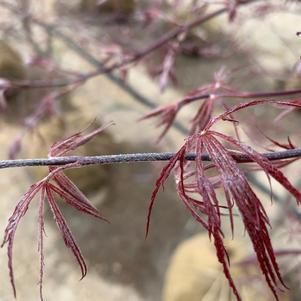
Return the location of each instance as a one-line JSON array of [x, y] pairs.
[[18, 104], [195, 274], [11, 68], [11, 64]]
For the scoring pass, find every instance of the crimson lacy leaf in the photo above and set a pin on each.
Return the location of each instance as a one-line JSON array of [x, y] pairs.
[[167, 113], [202, 116], [11, 228], [73, 142], [41, 233], [67, 235], [68, 191], [167, 70], [192, 178], [56, 183]]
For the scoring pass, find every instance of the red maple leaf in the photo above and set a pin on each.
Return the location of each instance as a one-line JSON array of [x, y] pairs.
[[192, 179], [56, 183]]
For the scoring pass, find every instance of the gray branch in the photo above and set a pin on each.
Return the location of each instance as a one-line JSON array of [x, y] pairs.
[[139, 157]]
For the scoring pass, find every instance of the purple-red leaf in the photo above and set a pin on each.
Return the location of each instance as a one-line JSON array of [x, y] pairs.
[[168, 66], [265, 165], [248, 104], [12, 226], [55, 183], [66, 233], [166, 115], [193, 179], [72, 197], [73, 142], [202, 117], [41, 233], [160, 182]]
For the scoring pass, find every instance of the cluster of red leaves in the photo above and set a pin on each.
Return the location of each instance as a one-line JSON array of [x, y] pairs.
[[168, 113], [196, 188], [165, 70], [55, 184], [168, 71]]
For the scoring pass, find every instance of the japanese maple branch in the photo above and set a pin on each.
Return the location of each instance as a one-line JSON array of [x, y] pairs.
[[131, 59], [52, 30], [241, 95], [138, 157], [69, 42]]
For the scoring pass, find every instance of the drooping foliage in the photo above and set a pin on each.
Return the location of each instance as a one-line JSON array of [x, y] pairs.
[[55, 184], [197, 189]]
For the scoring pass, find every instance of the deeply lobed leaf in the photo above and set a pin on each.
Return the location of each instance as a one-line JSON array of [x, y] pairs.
[[11, 228], [192, 178], [65, 231], [56, 183]]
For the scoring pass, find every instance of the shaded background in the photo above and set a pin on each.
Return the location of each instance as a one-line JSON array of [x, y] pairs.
[[122, 264]]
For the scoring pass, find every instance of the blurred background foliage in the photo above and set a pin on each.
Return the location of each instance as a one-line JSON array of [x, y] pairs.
[[55, 39]]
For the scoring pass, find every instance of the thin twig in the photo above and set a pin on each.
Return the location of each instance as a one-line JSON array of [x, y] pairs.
[[163, 40], [138, 157], [240, 95], [243, 95], [126, 87], [52, 30]]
